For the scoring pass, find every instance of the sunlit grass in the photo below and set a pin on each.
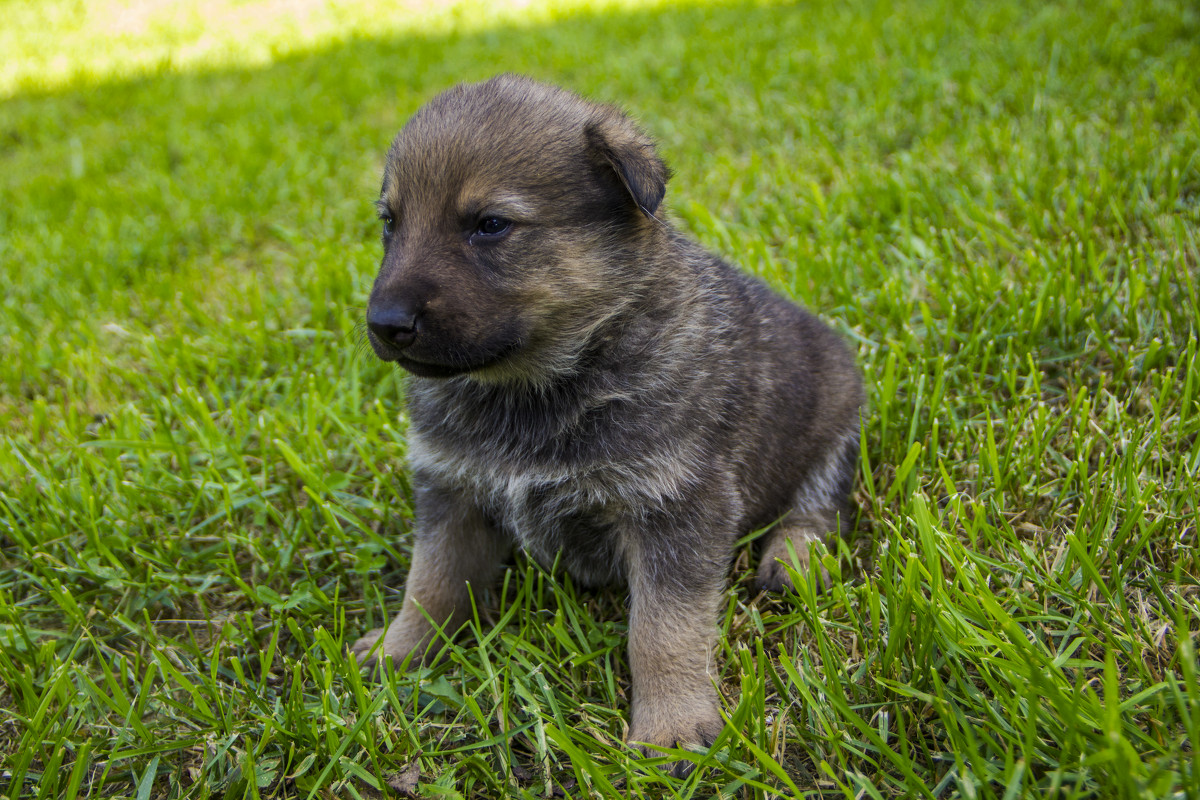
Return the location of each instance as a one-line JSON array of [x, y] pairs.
[[52, 44], [202, 490]]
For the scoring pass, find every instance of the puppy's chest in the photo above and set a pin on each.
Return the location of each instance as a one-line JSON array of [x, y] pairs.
[[553, 514], [557, 522]]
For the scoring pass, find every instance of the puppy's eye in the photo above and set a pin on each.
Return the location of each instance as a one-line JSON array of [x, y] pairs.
[[492, 226], [389, 225]]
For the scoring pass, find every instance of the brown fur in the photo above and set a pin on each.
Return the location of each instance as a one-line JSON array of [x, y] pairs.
[[591, 386]]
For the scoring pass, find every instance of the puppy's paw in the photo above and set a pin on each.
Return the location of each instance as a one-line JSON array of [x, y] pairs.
[[395, 642], [691, 733], [363, 651], [773, 575]]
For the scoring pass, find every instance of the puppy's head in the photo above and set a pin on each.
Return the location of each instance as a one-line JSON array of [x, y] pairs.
[[513, 216]]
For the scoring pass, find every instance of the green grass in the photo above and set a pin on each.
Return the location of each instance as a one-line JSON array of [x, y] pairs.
[[202, 491]]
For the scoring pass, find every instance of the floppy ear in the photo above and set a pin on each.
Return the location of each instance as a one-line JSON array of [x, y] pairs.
[[616, 143]]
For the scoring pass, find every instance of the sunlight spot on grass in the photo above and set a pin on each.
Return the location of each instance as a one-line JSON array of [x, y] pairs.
[[50, 46]]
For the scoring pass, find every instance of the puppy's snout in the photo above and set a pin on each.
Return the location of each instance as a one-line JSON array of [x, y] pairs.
[[395, 323]]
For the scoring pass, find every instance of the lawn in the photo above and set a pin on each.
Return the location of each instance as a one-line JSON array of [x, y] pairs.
[[203, 498]]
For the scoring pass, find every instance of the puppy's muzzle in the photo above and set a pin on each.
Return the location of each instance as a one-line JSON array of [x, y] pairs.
[[395, 324]]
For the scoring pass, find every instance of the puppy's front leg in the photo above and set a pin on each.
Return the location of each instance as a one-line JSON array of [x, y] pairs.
[[456, 551], [676, 581]]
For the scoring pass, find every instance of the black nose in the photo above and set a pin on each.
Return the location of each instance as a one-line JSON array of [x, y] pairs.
[[395, 323]]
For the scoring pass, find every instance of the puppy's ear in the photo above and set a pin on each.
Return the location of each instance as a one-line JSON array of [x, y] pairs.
[[615, 143]]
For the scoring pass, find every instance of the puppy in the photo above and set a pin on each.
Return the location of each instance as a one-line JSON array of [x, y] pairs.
[[588, 384]]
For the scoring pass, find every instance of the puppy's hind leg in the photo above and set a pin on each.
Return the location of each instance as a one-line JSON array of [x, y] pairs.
[[802, 530], [822, 507]]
